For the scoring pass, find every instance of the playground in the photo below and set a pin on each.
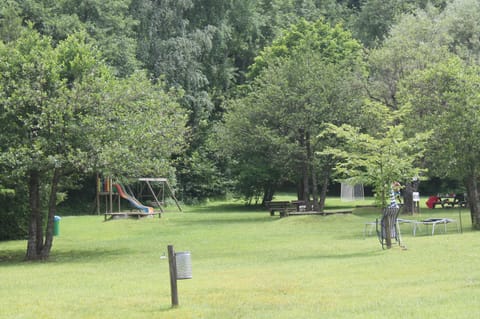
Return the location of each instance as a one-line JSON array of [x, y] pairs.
[[111, 193], [245, 264]]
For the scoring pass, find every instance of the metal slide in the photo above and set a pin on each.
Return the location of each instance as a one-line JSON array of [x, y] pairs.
[[133, 200]]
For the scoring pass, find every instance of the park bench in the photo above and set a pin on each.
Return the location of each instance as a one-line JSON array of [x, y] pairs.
[[137, 214], [284, 208]]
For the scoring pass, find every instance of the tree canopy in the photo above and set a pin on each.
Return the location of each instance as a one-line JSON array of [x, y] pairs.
[[64, 113], [309, 77], [233, 96], [446, 101]]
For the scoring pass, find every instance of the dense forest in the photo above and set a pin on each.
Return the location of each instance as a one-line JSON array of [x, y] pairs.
[[234, 97]]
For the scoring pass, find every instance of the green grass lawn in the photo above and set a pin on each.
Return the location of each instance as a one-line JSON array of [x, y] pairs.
[[246, 264]]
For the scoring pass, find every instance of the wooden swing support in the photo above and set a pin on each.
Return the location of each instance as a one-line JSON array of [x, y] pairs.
[[148, 180]]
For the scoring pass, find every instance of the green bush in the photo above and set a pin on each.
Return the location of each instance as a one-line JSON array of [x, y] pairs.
[[13, 214]]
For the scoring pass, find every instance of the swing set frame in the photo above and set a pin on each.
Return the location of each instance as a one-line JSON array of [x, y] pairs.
[[105, 189]]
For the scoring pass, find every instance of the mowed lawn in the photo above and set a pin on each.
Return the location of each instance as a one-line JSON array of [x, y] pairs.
[[246, 264]]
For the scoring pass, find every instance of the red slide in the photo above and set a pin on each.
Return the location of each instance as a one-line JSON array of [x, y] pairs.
[[133, 200]]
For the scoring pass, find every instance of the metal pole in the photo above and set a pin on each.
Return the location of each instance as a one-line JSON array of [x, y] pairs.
[[173, 275]]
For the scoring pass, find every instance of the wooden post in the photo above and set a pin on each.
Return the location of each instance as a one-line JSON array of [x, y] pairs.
[[173, 275], [460, 218], [97, 193], [173, 195], [110, 194], [388, 233], [154, 196]]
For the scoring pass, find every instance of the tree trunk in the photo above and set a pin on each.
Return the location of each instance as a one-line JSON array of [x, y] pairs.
[[38, 247], [35, 229], [408, 207], [473, 200], [323, 193], [52, 209], [316, 204], [300, 190], [311, 171], [305, 178], [304, 191], [268, 193]]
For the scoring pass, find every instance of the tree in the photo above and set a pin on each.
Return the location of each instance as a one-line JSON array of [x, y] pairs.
[[377, 160], [309, 77], [10, 20], [375, 18], [205, 47], [63, 112], [459, 21], [107, 22], [445, 100], [420, 42], [254, 153], [415, 42], [334, 44]]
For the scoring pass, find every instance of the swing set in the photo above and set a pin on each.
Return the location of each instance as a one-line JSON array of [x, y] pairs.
[[148, 189]]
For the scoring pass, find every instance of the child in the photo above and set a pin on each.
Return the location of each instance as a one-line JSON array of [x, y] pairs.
[[396, 187]]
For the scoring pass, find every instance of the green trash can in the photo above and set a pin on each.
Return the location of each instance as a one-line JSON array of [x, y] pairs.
[[56, 225]]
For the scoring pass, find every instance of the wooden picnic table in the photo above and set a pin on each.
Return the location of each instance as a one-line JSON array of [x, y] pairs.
[[452, 200], [447, 200]]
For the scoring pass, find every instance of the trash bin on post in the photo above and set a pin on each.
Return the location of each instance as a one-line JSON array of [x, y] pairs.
[[180, 266], [416, 202], [184, 265], [56, 225]]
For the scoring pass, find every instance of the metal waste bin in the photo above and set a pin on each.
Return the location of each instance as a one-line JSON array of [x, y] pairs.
[[183, 262], [56, 225]]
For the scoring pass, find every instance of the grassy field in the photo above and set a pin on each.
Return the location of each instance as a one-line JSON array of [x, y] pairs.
[[246, 264]]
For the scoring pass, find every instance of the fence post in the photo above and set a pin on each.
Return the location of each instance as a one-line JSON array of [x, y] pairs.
[[173, 275]]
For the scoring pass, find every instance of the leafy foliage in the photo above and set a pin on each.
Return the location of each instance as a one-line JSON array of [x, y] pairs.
[[445, 96], [377, 160], [107, 22], [333, 44], [63, 112], [295, 64], [13, 211], [309, 77]]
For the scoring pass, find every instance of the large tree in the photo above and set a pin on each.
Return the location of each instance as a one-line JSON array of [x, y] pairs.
[[63, 112], [309, 77], [444, 99], [418, 42], [378, 159], [414, 43]]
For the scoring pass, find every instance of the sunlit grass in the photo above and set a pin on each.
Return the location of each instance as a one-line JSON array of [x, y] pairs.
[[246, 264]]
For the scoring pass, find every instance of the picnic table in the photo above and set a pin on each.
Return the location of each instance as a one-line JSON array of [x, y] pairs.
[[450, 200], [282, 207], [299, 207], [446, 200]]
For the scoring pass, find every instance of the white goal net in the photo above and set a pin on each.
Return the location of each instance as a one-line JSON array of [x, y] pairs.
[[351, 192]]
